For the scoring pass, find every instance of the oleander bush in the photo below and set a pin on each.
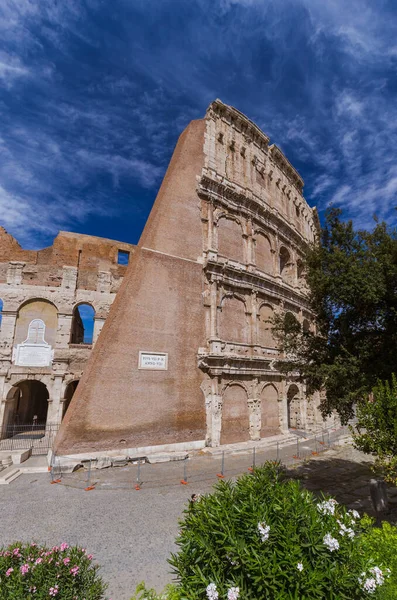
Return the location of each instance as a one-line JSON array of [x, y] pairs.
[[32, 572], [380, 543], [264, 536]]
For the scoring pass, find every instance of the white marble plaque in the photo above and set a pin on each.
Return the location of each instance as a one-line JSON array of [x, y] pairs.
[[157, 361], [34, 351], [33, 355]]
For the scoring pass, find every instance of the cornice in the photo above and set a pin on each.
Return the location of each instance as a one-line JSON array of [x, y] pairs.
[[237, 118], [285, 166], [223, 191], [257, 136]]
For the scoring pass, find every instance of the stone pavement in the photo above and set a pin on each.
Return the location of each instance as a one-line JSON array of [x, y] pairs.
[[131, 533]]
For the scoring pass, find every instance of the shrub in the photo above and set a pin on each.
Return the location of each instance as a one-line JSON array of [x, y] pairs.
[[143, 593], [264, 536], [30, 572], [380, 544]]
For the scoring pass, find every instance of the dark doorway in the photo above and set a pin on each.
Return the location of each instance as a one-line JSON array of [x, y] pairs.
[[70, 390], [29, 404]]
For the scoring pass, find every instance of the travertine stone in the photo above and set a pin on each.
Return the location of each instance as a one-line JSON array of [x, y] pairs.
[[47, 285], [219, 255]]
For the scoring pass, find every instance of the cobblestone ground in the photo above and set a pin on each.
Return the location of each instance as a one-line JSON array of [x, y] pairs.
[[131, 533]]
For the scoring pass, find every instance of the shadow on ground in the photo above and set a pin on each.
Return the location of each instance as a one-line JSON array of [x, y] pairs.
[[345, 479]]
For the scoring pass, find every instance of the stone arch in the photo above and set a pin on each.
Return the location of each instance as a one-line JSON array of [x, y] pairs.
[[265, 334], [263, 253], [299, 269], [270, 417], [82, 330], [294, 407], [68, 395], [36, 309], [285, 262], [235, 415], [230, 238], [27, 404], [233, 321]]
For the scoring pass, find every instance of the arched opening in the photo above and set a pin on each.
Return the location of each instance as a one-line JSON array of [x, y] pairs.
[[233, 322], [306, 326], [284, 262], [263, 254], [299, 269], [230, 239], [235, 418], [82, 331], [1, 311], [36, 310], [265, 325], [69, 392], [27, 404], [270, 420], [293, 406]]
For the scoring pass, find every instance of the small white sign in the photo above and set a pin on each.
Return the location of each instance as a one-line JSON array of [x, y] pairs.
[[157, 361]]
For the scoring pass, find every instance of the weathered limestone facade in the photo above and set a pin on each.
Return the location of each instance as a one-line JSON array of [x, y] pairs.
[[42, 351], [256, 224], [187, 355]]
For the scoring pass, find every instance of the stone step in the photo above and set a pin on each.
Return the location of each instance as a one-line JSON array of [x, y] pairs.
[[9, 475]]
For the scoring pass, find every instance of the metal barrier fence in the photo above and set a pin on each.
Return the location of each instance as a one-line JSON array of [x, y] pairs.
[[199, 469], [38, 437]]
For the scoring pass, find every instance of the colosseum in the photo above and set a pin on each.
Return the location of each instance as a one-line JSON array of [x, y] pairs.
[[186, 357], [53, 305]]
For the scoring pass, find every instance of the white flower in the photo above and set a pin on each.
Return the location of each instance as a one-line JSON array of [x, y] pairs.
[[378, 574], [354, 514], [369, 585], [264, 531], [299, 566], [327, 507], [331, 542], [345, 530], [233, 593], [212, 593]]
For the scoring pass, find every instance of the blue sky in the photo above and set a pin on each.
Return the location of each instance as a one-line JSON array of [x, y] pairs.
[[93, 96]]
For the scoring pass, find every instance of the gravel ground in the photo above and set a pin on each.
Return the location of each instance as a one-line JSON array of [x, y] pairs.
[[131, 533]]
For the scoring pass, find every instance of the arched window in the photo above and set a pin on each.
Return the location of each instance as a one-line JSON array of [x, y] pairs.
[[82, 324], [299, 269], [284, 261], [230, 239], [263, 254], [265, 333], [1, 311], [233, 322]]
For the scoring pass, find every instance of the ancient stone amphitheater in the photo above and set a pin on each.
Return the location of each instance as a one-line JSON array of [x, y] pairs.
[[186, 357]]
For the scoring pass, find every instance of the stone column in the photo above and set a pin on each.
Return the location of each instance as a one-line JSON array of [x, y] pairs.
[[283, 408], [98, 324], [3, 402], [214, 309], [63, 331], [55, 406], [7, 330]]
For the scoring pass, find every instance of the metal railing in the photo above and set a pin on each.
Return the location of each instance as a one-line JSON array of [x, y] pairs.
[[37, 437]]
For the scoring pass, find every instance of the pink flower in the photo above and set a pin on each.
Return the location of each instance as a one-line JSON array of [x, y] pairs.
[[64, 546], [9, 571], [24, 569], [53, 591], [38, 561], [90, 557], [15, 551], [66, 561], [74, 570]]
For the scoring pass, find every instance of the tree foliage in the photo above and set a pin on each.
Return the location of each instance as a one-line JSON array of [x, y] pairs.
[[376, 429], [352, 293]]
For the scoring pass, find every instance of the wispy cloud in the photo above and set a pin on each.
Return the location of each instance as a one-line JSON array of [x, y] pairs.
[[93, 97]]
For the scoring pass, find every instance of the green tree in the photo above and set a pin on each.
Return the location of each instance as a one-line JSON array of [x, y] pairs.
[[352, 294], [376, 429]]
